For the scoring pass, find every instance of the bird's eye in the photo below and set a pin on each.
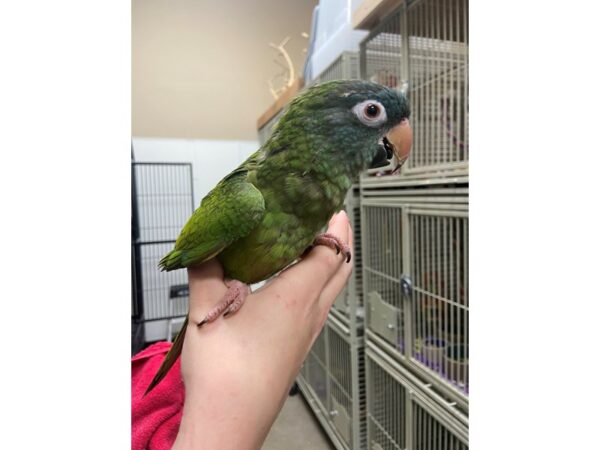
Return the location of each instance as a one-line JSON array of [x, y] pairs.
[[370, 112]]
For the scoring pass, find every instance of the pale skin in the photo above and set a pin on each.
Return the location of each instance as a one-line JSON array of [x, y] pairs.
[[238, 370]]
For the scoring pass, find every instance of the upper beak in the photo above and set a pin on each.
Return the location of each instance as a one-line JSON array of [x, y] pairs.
[[400, 137]]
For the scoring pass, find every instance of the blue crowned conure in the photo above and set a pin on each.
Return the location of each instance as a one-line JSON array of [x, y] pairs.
[[266, 213]]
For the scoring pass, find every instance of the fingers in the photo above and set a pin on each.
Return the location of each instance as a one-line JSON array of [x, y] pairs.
[[307, 279], [206, 288]]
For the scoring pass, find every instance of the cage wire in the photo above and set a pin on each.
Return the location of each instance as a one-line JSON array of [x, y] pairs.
[[422, 241], [340, 377], [386, 409], [361, 398], [400, 417], [382, 266], [431, 434], [352, 296], [264, 133], [317, 368], [164, 202], [439, 266], [382, 53], [357, 274], [344, 67], [335, 385], [424, 47], [438, 80]]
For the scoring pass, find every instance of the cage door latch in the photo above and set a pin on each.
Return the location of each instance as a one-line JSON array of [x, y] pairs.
[[406, 286]]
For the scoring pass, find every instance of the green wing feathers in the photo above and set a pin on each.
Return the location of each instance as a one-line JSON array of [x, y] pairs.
[[229, 212], [178, 259]]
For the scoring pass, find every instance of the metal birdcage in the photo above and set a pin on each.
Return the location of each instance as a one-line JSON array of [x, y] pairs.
[[415, 281], [348, 306], [422, 48], [401, 415], [332, 379], [265, 131], [345, 67], [162, 204], [315, 369]]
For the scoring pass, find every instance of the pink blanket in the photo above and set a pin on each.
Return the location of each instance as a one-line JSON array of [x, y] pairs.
[[155, 417]]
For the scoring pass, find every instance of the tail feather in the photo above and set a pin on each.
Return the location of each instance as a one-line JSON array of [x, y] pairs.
[[171, 261], [170, 358]]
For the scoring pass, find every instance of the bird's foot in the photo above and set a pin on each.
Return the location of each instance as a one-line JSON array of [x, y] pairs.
[[231, 302], [334, 243]]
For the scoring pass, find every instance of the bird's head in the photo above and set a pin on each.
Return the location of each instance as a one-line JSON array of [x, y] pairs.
[[363, 123]]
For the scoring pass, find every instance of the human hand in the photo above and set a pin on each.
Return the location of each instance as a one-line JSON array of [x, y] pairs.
[[238, 370]]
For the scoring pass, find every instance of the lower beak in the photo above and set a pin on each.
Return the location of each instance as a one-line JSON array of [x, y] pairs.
[[400, 137]]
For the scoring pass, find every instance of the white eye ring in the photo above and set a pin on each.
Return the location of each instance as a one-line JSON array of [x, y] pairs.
[[370, 112]]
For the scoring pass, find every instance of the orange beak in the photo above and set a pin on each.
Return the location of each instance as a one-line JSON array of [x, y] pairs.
[[400, 137]]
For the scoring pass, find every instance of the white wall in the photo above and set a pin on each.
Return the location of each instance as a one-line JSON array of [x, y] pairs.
[[211, 161]]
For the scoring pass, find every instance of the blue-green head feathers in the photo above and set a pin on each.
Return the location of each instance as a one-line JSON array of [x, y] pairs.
[[346, 118]]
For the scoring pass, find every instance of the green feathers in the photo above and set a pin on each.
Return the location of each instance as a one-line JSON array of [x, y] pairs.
[[230, 211], [263, 215]]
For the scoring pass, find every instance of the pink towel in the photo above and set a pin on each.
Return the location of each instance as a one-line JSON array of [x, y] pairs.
[[155, 418]]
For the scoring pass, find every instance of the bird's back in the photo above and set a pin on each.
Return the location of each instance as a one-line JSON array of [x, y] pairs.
[[300, 194]]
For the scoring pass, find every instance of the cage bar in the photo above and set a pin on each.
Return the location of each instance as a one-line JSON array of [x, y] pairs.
[[401, 415], [438, 63], [349, 303], [317, 369], [438, 265], [420, 235], [335, 386], [423, 47], [386, 409], [164, 201], [267, 129], [382, 268], [344, 67]]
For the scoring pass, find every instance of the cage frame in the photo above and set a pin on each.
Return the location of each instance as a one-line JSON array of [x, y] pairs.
[[437, 201], [401, 16], [139, 244], [326, 413], [442, 410], [347, 64], [348, 307]]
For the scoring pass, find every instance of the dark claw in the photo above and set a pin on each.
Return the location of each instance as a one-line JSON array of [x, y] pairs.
[[307, 251], [349, 257], [337, 250], [201, 323]]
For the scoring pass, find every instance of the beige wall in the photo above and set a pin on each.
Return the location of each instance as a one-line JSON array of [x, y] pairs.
[[200, 68]]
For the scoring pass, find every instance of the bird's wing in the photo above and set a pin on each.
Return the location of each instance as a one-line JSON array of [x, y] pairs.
[[229, 212]]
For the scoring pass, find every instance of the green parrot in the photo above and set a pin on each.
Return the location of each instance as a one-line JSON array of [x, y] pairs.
[[266, 213]]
